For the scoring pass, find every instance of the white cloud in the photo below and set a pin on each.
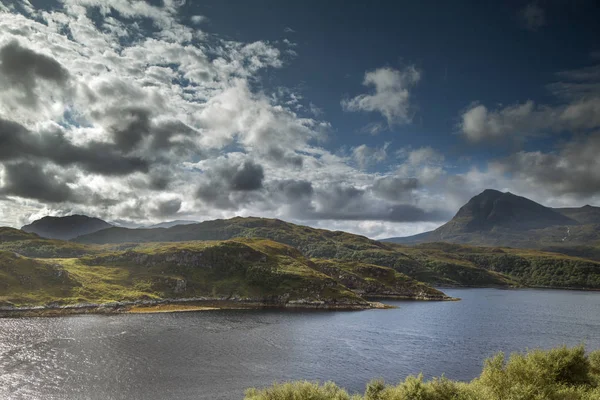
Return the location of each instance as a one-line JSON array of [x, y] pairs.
[[366, 156], [144, 123], [391, 96]]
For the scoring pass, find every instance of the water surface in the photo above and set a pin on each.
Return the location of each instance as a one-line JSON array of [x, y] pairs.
[[217, 354]]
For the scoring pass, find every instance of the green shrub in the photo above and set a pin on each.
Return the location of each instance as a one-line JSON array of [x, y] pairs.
[[299, 391], [558, 374]]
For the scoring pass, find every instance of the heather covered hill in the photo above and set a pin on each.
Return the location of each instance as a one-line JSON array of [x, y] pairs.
[[249, 270], [522, 267], [313, 243]]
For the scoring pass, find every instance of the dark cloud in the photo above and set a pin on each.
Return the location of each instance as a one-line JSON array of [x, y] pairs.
[[352, 204], [131, 125], [284, 157], [573, 170], [394, 188], [231, 184], [295, 190], [133, 128], [17, 142], [245, 177], [29, 180], [23, 68], [167, 208]]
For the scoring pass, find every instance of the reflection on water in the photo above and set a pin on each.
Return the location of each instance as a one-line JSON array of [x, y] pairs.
[[216, 354]]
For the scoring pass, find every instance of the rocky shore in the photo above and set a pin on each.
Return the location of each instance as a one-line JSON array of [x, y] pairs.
[[174, 305]]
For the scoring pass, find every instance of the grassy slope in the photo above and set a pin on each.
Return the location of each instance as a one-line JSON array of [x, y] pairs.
[[557, 374], [257, 269], [375, 280], [522, 266], [314, 243]]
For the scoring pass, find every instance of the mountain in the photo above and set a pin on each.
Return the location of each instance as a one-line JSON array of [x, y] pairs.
[[170, 224], [66, 228], [268, 261], [584, 215], [494, 218], [311, 242]]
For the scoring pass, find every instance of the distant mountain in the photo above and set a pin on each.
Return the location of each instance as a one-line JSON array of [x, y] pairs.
[[495, 218], [353, 261], [170, 224], [584, 215], [66, 228]]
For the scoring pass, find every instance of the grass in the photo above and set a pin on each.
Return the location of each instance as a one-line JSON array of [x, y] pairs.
[[558, 374], [251, 269], [375, 280]]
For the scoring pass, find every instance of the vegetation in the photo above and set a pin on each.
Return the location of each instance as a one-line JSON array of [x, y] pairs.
[[253, 270], [558, 374], [314, 243], [521, 267], [375, 281]]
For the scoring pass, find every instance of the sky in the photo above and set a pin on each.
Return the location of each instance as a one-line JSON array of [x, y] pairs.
[[379, 118]]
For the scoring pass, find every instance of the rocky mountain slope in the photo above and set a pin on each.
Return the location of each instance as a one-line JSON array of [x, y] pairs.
[[495, 218]]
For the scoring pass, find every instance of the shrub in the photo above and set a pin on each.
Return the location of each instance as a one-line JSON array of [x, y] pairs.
[[558, 374]]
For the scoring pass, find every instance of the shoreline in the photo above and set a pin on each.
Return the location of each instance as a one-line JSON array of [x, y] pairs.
[[195, 305]]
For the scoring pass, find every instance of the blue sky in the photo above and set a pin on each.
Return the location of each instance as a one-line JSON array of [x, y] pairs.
[[379, 118]]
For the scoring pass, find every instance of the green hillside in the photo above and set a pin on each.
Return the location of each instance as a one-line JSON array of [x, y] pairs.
[[256, 270], [313, 243], [521, 266]]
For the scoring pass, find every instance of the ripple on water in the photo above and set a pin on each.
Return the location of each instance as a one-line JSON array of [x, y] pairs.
[[216, 355]]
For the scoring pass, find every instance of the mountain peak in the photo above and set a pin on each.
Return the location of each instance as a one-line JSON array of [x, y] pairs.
[[493, 209], [67, 227]]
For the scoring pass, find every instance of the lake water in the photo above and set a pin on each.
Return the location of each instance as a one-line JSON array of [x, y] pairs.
[[217, 354]]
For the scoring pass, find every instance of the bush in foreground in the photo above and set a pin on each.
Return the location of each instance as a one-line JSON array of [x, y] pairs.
[[558, 374]]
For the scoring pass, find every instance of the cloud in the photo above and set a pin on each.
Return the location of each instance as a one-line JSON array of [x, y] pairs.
[[390, 96], [366, 156], [395, 188], [229, 180], [29, 180], [198, 19], [350, 203], [18, 143], [574, 169], [167, 208], [423, 156], [532, 16], [580, 111]]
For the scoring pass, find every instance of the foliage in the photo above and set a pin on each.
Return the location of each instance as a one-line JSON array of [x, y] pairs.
[[311, 242], [557, 374], [257, 270]]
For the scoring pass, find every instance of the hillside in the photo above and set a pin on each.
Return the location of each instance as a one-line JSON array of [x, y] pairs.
[[494, 218], [258, 270], [65, 228], [31, 245], [522, 267], [313, 243]]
